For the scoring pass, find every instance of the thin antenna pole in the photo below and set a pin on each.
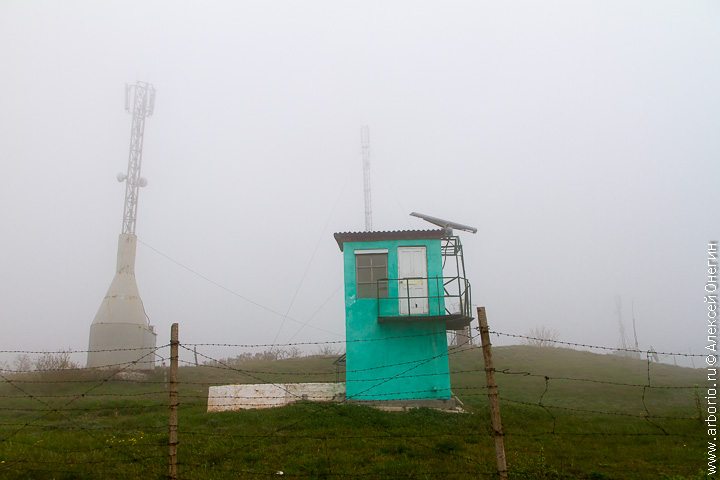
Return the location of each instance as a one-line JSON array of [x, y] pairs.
[[618, 310], [634, 329], [365, 146], [140, 102]]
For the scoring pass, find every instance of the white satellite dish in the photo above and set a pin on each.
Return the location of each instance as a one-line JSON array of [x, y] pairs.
[[448, 225], [142, 182], [121, 177]]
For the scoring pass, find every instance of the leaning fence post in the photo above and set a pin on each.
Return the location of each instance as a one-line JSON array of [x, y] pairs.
[[495, 419], [173, 388]]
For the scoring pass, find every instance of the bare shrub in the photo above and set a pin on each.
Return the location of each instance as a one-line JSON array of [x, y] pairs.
[[542, 337], [327, 351], [55, 361], [265, 355], [23, 363], [293, 352]]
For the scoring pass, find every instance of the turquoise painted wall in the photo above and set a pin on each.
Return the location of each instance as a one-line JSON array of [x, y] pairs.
[[400, 360]]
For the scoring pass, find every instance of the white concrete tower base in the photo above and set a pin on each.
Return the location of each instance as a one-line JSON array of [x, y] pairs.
[[120, 324]]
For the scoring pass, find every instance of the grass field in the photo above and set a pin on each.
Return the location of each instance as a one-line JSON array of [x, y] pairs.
[[567, 414]]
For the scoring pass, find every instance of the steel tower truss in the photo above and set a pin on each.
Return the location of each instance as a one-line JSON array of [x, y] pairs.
[[140, 102], [365, 146]]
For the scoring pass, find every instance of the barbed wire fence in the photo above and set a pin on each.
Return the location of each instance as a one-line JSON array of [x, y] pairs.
[[113, 420], [36, 401]]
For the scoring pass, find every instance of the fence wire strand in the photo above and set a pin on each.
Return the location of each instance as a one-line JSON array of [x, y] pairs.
[[26, 411]]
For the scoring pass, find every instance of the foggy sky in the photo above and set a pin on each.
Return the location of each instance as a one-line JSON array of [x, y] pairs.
[[580, 138]]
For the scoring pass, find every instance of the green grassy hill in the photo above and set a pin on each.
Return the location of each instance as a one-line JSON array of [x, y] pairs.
[[567, 414]]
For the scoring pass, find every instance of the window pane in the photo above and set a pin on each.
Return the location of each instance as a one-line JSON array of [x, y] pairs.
[[364, 275], [379, 273], [369, 268], [366, 290], [362, 260]]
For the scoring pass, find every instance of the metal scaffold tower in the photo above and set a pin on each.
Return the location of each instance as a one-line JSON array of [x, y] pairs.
[[140, 102], [365, 147]]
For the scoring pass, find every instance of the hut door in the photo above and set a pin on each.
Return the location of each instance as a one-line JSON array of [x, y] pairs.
[[412, 280]]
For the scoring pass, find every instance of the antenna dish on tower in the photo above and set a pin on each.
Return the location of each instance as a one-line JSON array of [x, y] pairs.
[[448, 225]]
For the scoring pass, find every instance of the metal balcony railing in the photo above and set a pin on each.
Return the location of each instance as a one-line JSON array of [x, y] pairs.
[[424, 296]]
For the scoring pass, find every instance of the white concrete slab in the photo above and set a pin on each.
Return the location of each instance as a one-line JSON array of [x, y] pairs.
[[225, 398]]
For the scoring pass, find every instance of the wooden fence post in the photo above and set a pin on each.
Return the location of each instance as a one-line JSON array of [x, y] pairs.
[[495, 419], [173, 388]]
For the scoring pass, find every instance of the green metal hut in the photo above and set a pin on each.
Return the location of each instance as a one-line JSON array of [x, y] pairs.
[[398, 308]]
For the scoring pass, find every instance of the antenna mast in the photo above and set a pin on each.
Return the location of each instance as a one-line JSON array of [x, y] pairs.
[[140, 102], [365, 146], [121, 332], [634, 329], [618, 310]]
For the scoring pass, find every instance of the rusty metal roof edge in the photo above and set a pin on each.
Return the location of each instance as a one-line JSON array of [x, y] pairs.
[[342, 237]]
